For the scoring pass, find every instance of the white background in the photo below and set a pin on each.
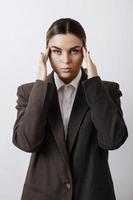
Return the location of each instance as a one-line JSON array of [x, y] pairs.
[[23, 24]]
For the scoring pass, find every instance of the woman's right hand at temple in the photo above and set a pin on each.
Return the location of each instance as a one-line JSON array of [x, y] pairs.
[[42, 68]]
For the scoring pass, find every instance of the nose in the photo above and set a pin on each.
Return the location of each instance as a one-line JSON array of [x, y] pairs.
[[66, 58]]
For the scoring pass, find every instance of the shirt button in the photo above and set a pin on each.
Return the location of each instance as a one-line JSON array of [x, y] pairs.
[[68, 186]]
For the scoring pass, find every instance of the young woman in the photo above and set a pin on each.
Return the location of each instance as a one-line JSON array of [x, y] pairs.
[[68, 120]]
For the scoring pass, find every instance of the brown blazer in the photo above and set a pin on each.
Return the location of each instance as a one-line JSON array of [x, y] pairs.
[[75, 169]]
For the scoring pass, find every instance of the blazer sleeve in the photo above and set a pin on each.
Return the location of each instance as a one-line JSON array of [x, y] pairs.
[[106, 112], [29, 127]]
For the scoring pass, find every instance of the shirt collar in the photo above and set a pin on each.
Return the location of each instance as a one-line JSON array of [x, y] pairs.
[[59, 83]]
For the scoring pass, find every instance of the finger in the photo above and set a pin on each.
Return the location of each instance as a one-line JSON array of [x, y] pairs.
[[89, 58], [45, 55], [84, 52], [47, 51], [42, 56]]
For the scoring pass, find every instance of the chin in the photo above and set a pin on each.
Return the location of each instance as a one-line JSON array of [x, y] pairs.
[[65, 75], [66, 79]]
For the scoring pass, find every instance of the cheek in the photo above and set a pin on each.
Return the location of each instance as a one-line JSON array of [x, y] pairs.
[[54, 59], [78, 59]]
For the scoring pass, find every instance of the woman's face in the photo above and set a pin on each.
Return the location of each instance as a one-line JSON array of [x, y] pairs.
[[66, 56]]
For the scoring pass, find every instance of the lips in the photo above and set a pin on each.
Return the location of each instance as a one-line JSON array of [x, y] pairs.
[[66, 69]]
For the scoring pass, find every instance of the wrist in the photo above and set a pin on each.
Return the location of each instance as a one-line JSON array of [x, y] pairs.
[[41, 77]]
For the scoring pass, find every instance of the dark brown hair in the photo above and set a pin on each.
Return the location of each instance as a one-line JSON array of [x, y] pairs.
[[64, 26]]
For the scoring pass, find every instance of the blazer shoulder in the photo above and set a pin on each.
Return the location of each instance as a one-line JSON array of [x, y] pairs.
[[26, 85], [112, 87], [110, 84], [25, 89]]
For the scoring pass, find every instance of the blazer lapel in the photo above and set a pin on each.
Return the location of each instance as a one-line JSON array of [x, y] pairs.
[[55, 120], [79, 110]]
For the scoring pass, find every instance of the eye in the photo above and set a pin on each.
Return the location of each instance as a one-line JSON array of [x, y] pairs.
[[75, 51], [56, 52]]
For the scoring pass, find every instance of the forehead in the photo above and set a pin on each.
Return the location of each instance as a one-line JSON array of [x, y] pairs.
[[65, 41]]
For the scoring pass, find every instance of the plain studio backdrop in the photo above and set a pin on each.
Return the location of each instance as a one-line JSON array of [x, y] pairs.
[[23, 25]]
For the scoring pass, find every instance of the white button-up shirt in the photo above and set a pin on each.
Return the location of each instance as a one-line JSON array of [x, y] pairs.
[[66, 96]]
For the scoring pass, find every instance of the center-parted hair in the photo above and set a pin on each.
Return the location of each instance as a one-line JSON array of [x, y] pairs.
[[64, 26]]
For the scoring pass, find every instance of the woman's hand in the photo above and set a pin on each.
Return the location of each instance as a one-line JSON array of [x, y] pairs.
[[42, 68], [91, 69]]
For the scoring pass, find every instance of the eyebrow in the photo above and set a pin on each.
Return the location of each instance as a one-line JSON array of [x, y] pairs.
[[70, 48]]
